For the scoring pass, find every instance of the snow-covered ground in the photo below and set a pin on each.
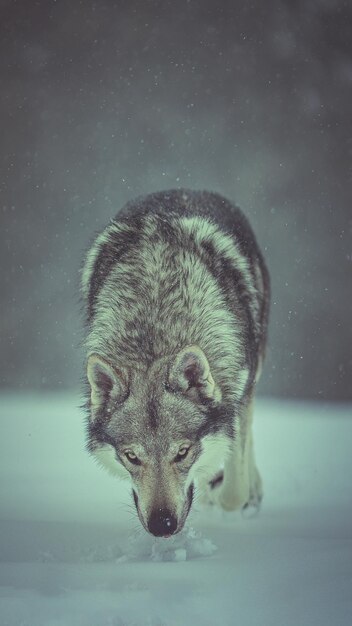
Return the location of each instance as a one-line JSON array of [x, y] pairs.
[[73, 553]]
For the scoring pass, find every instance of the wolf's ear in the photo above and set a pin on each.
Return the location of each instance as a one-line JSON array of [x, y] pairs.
[[190, 373], [105, 381]]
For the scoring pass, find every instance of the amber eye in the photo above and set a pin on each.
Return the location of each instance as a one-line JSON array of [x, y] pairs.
[[132, 458], [182, 453]]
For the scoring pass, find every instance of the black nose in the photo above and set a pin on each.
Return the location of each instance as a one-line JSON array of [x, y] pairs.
[[162, 523]]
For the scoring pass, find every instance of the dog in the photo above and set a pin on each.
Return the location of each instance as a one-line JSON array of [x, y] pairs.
[[176, 294]]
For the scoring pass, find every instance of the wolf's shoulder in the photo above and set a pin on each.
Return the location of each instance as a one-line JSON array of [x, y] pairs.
[[173, 203], [156, 229], [181, 206], [182, 202]]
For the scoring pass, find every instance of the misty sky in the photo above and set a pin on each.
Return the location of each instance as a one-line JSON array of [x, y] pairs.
[[104, 101]]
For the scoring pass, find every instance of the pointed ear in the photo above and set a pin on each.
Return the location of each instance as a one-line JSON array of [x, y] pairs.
[[106, 382], [190, 373]]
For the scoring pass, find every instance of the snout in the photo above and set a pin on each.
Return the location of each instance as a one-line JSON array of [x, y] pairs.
[[162, 523]]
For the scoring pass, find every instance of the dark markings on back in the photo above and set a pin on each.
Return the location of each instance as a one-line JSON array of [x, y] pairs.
[[235, 291], [186, 203], [110, 253]]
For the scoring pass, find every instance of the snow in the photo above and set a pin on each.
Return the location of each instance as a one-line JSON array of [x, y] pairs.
[[73, 552]]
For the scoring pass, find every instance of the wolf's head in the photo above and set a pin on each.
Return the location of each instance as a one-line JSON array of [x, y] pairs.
[[164, 426]]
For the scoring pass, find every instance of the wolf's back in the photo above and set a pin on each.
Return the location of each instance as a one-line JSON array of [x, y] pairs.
[[177, 268]]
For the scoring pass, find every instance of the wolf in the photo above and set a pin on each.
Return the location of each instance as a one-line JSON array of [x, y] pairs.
[[176, 295]]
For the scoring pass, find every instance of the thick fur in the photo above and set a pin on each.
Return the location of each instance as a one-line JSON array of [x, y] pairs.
[[176, 293]]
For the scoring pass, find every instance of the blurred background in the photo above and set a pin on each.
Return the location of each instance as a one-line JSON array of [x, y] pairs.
[[104, 101]]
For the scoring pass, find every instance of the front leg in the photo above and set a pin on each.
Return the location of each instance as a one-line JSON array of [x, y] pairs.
[[242, 484], [234, 491]]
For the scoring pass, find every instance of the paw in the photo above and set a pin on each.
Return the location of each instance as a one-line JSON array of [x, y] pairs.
[[252, 507], [207, 498], [217, 480], [208, 490], [234, 500]]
